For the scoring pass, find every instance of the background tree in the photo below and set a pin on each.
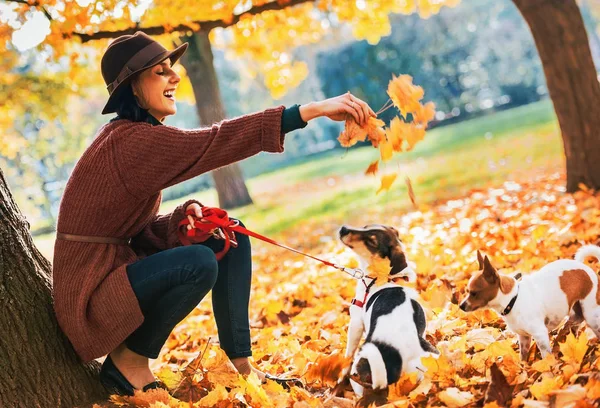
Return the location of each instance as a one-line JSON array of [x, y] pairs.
[[562, 42], [38, 369]]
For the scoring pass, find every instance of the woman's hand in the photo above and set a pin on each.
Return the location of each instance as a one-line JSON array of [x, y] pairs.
[[197, 210], [338, 108]]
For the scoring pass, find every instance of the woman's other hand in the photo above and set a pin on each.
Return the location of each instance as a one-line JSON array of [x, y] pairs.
[[197, 211], [338, 108]]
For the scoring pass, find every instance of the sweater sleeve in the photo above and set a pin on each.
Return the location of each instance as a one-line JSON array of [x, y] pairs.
[[160, 233], [151, 158], [291, 119]]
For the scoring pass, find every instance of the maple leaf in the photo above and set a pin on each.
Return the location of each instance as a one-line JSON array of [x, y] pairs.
[[404, 94], [387, 151], [170, 378], [379, 268], [414, 134], [373, 168], [411, 192], [145, 399], [546, 364], [454, 398], [386, 182], [327, 369], [568, 396], [375, 131], [346, 140], [394, 133], [438, 367], [593, 388], [424, 114], [574, 349], [218, 394], [542, 389]]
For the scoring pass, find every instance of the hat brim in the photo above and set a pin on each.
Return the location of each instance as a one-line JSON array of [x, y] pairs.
[[113, 99]]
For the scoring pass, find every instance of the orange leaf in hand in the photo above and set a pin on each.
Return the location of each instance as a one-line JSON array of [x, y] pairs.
[[394, 133], [425, 113], [352, 133], [413, 135], [404, 94]]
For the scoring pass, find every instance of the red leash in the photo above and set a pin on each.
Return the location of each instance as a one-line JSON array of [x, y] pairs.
[[216, 223]]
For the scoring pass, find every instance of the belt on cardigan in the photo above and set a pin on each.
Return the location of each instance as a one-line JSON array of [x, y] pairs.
[[92, 239]]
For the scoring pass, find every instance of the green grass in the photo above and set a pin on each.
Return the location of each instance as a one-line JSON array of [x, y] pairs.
[[450, 161]]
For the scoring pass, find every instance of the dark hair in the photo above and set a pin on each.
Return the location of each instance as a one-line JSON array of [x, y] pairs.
[[128, 107]]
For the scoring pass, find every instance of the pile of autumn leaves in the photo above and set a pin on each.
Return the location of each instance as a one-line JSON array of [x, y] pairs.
[[299, 312], [401, 135]]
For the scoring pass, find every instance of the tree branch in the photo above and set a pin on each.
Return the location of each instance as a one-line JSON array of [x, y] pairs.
[[204, 25], [34, 4]]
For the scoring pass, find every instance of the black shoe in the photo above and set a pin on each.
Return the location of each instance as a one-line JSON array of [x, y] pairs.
[[286, 383], [112, 379], [116, 383]]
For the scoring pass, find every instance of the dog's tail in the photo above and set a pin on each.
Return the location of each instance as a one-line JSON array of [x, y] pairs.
[[376, 365], [587, 251]]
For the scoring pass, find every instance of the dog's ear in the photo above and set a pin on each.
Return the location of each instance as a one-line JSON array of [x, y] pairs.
[[397, 260], [479, 260], [489, 272]]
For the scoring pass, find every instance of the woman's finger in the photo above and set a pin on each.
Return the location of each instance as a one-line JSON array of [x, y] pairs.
[[367, 111], [356, 108], [191, 220], [349, 109]]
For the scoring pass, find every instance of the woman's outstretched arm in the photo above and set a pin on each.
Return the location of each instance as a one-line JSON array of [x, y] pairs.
[[150, 158]]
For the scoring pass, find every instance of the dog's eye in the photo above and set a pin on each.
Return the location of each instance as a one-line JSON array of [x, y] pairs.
[[372, 239], [474, 294]]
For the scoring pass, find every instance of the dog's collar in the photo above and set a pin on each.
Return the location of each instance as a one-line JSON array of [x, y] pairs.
[[368, 287], [511, 304], [361, 303]]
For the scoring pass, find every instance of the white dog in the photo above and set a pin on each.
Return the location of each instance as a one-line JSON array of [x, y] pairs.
[[389, 314], [540, 301]]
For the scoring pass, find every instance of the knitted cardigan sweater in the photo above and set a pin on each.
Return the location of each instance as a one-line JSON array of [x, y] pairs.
[[115, 191]]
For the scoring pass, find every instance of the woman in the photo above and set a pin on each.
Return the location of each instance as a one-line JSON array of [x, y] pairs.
[[122, 279]]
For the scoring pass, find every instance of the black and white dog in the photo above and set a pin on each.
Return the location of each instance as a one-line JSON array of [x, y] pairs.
[[389, 314]]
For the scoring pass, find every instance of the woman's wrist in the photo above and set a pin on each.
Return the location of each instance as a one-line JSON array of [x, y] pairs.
[[310, 111]]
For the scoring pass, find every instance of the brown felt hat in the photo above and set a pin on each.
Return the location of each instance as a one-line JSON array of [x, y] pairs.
[[127, 55]]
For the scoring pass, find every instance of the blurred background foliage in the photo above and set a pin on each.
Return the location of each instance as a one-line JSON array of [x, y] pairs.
[[472, 60]]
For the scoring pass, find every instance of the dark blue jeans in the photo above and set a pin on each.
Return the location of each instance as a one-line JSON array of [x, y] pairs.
[[171, 283]]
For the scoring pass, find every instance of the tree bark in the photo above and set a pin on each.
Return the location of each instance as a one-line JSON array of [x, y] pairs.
[[38, 367], [198, 62], [562, 42]]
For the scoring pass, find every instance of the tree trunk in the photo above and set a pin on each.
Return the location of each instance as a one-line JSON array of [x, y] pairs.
[[38, 367], [562, 42], [198, 62]]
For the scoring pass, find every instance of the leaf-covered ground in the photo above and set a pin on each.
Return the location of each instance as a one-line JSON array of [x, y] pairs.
[[299, 311]]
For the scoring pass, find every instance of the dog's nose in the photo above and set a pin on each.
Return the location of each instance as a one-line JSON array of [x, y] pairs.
[[343, 231], [463, 306]]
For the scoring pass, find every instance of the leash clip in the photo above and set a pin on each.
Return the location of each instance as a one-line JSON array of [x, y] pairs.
[[354, 272]]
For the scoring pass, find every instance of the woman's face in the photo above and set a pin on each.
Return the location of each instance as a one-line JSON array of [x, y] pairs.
[[155, 88]]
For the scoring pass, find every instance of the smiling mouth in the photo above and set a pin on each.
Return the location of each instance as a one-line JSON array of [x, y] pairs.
[[170, 94]]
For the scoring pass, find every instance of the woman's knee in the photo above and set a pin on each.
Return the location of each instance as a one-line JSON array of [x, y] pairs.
[[202, 264]]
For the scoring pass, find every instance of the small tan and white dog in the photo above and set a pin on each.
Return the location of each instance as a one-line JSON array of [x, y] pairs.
[[539, 302], [389, 314]]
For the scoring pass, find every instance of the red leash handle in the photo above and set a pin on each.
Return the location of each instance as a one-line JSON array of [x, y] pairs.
[[216, 223]]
